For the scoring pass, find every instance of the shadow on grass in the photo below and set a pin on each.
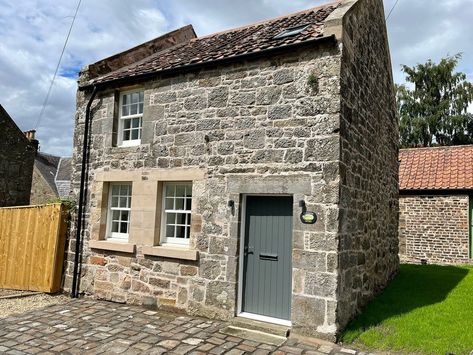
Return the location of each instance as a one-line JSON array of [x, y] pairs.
[[415, 286]]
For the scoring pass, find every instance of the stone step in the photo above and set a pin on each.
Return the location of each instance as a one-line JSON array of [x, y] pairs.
[[254, 335], [275, 329]]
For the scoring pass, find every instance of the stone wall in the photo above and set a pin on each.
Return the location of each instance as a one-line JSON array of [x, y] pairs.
[[368, 217], [317, 123], [434, 228], [254, 127], [16, 163], [41, 191]]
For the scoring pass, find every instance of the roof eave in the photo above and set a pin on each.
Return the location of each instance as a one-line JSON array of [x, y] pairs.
[[194, 66]]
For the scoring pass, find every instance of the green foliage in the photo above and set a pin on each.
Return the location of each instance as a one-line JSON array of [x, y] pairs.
[[68, 203], [426, 309], [435, 111], [313, 82]]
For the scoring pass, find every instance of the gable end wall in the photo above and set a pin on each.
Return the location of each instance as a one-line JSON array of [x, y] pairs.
[[368, 250]]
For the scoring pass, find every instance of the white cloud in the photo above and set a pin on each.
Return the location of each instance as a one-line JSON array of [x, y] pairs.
[[33, 32]]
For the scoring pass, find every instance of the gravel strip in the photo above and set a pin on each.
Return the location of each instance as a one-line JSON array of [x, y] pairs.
[[25, 304]]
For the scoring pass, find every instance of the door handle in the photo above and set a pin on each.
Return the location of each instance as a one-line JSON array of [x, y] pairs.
[[268, 256]]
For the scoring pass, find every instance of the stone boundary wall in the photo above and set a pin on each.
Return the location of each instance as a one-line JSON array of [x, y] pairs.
[[434, 228]]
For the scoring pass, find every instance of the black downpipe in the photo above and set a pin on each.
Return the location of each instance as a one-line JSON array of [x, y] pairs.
[[82, 197]]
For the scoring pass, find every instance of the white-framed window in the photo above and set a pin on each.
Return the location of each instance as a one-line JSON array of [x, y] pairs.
[[119, 211], [130, 118], [176, 216]]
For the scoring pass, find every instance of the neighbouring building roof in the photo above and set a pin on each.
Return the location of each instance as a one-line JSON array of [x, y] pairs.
[[63, 177], [56, 171], [229, 44], [47, 166], [437, 168]]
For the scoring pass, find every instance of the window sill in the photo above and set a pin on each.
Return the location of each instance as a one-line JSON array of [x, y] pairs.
[[112, 246], [171, 252]]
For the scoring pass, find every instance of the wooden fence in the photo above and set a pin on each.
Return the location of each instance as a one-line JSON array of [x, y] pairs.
[[32, 242]]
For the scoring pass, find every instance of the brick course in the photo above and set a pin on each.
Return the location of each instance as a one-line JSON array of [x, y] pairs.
[[434, 228]]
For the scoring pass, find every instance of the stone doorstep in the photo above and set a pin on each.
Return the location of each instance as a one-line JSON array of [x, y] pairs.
[[269, 328], [254, 335]]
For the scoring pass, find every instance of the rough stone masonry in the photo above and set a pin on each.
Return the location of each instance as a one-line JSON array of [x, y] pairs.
[[317, 122]]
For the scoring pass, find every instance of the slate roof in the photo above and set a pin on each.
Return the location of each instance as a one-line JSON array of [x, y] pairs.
[[228, 44], [47, 165], [64, 170], [437, 168]]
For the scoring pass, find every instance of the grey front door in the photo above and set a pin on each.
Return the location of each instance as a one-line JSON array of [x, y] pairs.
[[267, 270]]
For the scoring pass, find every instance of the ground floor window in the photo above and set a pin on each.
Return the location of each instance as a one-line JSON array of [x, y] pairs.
[[119, 211], [176, 217]]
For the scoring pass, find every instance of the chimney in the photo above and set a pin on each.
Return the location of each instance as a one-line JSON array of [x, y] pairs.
[[30, 135]]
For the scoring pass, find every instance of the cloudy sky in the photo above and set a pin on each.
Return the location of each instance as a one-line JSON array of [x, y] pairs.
[[32, 34]]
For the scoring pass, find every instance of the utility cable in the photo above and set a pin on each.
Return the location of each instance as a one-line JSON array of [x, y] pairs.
[[43, 108], [391, 11]]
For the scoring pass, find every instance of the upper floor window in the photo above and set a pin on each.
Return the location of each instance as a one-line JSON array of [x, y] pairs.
[[176, 219], [119, 210], [130, 118]]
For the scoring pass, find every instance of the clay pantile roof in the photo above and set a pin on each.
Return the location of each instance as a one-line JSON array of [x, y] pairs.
[[438, 168], [228, 44]]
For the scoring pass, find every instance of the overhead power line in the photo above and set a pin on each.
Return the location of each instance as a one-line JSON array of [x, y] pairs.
[[46, 99], [391, 11]]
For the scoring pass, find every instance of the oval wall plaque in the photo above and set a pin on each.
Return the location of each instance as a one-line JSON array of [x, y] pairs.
[[308, 217]]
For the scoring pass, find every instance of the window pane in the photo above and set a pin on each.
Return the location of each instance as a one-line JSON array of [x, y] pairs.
[[188, 232], [189, 190], [125, 110], [170, 218], [179, 204], [125, 99], [180, 190], [123, 202], [140, 108], [180, 230], [170, 190], [126, 135], [181, 218], [169, 204], [115, 215], [124, 215], [124, 190], [135, 98], [126, 124], [169, 231], [114, 201], [123, 227], [115, 190], [136, 122], [188, 204], [115, 227], [142, 96], [133, 109], [135, 134]]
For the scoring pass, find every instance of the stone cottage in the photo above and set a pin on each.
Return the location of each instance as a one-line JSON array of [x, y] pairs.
[[210, 159], [436, 205], [16, 163]]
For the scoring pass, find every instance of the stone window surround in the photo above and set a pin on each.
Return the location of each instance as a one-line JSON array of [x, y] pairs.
[[146, 211]]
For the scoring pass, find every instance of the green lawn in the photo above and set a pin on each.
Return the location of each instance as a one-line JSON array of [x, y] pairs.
[[426, 309]]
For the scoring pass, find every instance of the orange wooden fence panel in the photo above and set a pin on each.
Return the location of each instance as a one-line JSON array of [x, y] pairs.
[[32, 242]]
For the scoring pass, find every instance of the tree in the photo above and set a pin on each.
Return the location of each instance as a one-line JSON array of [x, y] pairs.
[[435, 112]]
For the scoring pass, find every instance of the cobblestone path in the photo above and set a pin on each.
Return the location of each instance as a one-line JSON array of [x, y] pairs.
[[93, 327]]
